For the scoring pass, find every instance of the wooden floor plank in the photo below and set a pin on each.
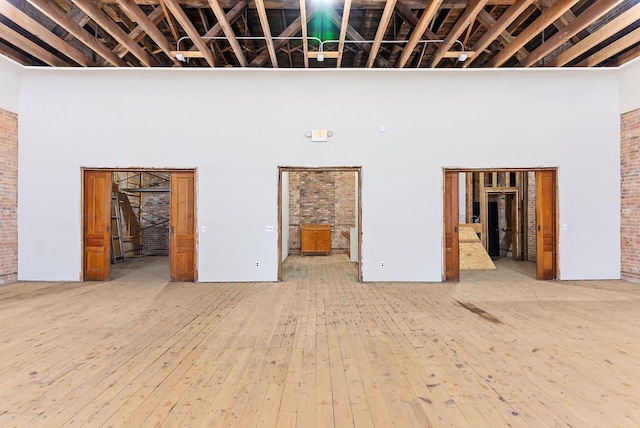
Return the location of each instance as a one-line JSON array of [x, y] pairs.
[[319, 348]]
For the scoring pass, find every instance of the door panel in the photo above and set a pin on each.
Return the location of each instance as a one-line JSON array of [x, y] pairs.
[[451, 221], [97, 219], [546, 224], [182, 226]]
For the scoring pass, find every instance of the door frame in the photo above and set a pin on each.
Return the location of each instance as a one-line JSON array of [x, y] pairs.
[[556, 209], [139, 169], [357, 170]]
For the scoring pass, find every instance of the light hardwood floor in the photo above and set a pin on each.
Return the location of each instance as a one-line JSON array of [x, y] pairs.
[[320, 349]]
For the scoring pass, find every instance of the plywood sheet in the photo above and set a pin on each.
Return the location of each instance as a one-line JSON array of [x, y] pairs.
[[472, 254]]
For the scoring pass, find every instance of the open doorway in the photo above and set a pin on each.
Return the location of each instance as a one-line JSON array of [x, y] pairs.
[[493, 218], [132, 214], [319, 214]]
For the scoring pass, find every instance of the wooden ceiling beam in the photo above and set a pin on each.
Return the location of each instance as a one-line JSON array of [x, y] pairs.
[[148, 27], [498, 27], [382, 30], [611, 49], [231, 17], [169, 19], [59, 17], [463, 22], [625, 57], [505, 38], [191, 31], [266, 30], [228, 32], [138, 33], [580, 23], [346, 11], [338, 4], [603, 33], [418, 32], [103, 20], [544, 20], [410, 21], [17, 39], [290, 31], [18, 56], [305, 42], [355, 36], [29, 24]]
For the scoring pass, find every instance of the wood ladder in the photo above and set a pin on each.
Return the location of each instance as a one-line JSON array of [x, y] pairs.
[[117, 251]]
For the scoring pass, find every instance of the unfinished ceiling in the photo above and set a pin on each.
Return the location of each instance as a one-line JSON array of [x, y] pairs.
[[320, 33]]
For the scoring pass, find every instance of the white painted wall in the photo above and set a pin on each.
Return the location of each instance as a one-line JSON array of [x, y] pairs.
[[629, 86], [10, 72], [237, 126], [284, 226]]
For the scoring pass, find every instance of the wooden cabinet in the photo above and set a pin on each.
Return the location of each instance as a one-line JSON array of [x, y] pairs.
[[315, 238]]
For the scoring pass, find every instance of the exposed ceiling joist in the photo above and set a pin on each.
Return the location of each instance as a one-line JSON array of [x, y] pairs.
[[30, 47], [355, 36], [148, 27], [382, 29], [367, 33], [418, 32], [38, 30], [580, 23], [228, 32], [100, 18], [357, 4], [290, 31], [605, 32], [615, 47], [543, 21], [499, 26], [305, 42], [138, 33], [59, 17], [266, 30], [191, 31], [346, 10], [463, 22]]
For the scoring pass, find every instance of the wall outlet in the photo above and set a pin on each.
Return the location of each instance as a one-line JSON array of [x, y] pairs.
[[257, 264], [381, 264]]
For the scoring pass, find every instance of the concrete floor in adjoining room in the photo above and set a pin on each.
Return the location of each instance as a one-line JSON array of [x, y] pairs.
[[320, 349]]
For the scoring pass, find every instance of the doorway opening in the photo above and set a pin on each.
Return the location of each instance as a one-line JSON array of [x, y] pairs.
[[131, 216], [319, 214], [493, 218]]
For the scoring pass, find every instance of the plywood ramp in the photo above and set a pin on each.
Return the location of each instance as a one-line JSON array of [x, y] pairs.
[[473, 255], [496, 349]]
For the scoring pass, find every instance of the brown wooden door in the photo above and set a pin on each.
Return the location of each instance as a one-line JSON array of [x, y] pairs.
[[182, 241], [546, 224], [451, 222], [97, 219]]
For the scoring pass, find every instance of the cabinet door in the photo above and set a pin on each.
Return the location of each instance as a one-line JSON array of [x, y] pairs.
[[307, 241], [323, 241]]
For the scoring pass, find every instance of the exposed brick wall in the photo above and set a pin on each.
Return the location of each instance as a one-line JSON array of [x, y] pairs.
[[8, 197], [322, 197], [145, 215], [630, 195], [155, 224]]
